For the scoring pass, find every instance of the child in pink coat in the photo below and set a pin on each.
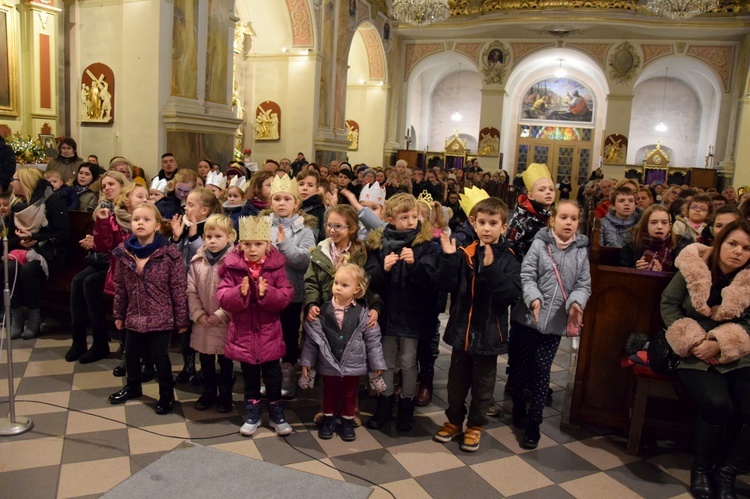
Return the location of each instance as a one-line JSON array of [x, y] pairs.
[[254, 289], [210, 321]]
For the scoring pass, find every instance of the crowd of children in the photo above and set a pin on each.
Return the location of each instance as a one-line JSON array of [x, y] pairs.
[[239, 266]]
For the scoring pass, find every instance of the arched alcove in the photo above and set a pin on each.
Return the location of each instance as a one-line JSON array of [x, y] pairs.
[[366, 93], [691, 109], [434, 82]]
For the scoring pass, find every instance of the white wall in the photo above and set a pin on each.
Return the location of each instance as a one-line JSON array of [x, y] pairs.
[[682, 115], [443, 103], [366, 105]]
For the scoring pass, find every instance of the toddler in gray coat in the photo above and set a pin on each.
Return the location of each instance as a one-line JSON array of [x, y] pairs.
[[341, 348]]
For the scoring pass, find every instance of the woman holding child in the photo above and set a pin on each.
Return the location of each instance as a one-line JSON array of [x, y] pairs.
[[706, 309]]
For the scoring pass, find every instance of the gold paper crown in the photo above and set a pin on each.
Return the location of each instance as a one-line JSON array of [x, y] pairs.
[[284, 184], [534, 172], [426, 198], [255, 229], [470, 197]]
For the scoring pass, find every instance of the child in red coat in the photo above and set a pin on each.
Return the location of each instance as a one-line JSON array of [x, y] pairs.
[[254, 289]]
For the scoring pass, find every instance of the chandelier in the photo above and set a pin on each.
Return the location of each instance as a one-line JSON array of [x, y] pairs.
[[420, 12], [680, 10]]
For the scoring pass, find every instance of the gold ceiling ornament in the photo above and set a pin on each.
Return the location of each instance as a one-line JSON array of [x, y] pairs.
[[420, 12], [495, 62], [681, 10], [465, 7], [624, 63], [492, 5]]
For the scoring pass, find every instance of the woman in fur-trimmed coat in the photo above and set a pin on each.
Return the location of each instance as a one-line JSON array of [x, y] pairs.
[[706, 309]]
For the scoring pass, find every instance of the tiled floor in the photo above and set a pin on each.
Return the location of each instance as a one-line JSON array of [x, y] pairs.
[[70, 453]]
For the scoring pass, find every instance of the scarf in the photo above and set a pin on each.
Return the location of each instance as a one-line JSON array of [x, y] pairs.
[[393, 241], [255, 267], [261, 205], [213, 258], [122, 217], [134, 247], [562, 245], [698, 227], [656, 249], [80, 189]]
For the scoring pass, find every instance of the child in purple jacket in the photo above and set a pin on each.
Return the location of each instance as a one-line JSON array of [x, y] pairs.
[[254, 289], [150, 303]]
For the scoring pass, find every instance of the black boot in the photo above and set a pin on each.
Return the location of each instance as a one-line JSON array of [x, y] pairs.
[[99, 348], [188, 369], [226, 382], [383, 412], [424, 395], [120, 370], [166, 398], [735, 464], [532, 435], [704, 446], [78, 347], [405, 421], [208, 397]]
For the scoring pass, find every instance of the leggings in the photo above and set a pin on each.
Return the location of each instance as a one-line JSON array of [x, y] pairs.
[[291, 318], [718, 394], [87, 300], [536, 351], [271, 376], [28, 284], [157, 344]]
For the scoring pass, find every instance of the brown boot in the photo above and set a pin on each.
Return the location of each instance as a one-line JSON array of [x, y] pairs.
[[424, 396]]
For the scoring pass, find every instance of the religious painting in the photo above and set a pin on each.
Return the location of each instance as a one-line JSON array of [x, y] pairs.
[[217, 50], [495, 59], [185, 48], [49, 145], [558, 99], [352, 134], [489, 141], [267, 121], [97, 99], [8, 60], [615, 149]]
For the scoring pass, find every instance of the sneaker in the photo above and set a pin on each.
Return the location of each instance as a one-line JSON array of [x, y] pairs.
[[253, 418], [447, 432], [347, 430], [327, 428], [276, 418], [472, 435], [495, 410]]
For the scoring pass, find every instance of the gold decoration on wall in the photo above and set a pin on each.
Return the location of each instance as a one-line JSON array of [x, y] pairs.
[[719, 57], [495, 62], [651, 52], [596, 50], [489, 141], [624, 63], [492, 5], [417, 52], [8, 56], [268, 121], [521, 50], [352, 134]]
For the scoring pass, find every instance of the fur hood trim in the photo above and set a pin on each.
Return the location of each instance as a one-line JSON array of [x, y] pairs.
[[373, 241], [735, 299], [310, 221], [683, 335]]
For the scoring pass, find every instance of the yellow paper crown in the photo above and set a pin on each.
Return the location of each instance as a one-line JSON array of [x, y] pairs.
[[470, 197], [284, 184], [255, 229], [534, 172]]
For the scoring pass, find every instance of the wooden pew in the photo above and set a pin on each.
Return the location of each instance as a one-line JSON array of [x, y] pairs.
[[623, 301]]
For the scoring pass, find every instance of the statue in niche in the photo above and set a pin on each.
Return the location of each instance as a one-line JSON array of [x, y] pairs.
[[106, 100], [237, 101], [84, 113], [95, 104], [352, 134], [96, 99], [266, 124], [489, 145]]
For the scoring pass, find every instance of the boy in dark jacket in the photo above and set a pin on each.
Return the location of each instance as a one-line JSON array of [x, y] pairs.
[[487, 278], [402, 266]]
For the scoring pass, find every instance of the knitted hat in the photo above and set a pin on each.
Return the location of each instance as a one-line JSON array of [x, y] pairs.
[[534, 172]]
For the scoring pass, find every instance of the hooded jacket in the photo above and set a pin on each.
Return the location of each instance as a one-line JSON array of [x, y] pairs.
[[479, 307], [52, 239], [202, 283], [690, 320], [527, 220], [154, 299], [108, 235], [410, 292], [539, 282], [254, 334], [295, 247], [363, 352], [616, 232]]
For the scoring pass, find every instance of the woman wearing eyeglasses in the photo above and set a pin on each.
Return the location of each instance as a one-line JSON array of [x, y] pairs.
[[38, 235]]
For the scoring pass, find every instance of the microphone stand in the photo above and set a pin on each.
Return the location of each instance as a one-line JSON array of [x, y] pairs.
[[11, 425]]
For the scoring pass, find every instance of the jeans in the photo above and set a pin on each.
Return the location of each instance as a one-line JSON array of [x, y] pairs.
[[87, 300], [343, 390], [405, 349], [28, 285], [157, 344], [470, 372], [718, 394], [271, 372], [291, 319]]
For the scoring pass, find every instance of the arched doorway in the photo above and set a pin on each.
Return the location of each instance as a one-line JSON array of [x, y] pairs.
[[555, 118]]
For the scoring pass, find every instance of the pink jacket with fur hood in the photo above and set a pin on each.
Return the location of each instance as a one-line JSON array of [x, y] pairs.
[[203, 281], [690, 320], [254, 334]]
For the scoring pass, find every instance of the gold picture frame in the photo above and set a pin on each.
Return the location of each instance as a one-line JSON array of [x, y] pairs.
[[8, 63]]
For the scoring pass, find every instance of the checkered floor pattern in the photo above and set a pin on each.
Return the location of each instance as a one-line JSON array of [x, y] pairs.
[[75, 454]]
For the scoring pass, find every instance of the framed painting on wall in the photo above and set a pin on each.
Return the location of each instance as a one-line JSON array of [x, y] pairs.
[[8, 61], [558, 99]]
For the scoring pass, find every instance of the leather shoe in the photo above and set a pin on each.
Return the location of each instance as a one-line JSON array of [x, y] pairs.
[[165, 404], [126, 393]]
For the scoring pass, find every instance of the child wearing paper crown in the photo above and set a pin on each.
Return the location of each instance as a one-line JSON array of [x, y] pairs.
[[216, 182], [341, 345], [292, 234], [235, 199], [254, 289], [369, 207]]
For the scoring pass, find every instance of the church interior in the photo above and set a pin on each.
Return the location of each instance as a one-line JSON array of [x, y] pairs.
[[580, 85]]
